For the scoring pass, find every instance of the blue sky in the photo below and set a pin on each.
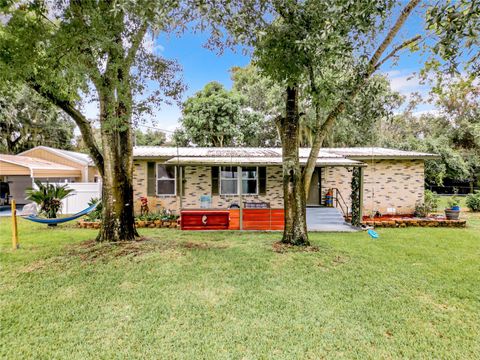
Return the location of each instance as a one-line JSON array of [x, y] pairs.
[[200, 66]]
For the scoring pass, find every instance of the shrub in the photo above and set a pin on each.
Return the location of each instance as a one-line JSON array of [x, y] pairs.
[[430, 204], [431, 199], [49, 197], [473, 201], [95, 215]]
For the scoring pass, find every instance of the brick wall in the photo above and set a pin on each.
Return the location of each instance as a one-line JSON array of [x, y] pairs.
[[198, 182], [395, 184], [388, 184]]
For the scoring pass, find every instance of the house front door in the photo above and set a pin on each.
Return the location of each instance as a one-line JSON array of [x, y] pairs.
[[314, 197]]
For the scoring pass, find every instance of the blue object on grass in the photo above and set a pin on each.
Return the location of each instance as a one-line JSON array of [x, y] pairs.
[[373, 234], [62, 220]]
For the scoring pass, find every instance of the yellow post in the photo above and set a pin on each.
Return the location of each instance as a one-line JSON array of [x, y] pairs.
[[15, 244]]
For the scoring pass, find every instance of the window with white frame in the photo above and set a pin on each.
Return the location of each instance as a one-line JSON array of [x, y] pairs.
[[229, 180], [250, 180], [166, 176]]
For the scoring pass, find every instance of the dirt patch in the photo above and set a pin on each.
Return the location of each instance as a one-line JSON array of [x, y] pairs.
[[388, 334], [202, 245], [428, 300], [35, 266], [92, 251], [340, 260], [282, 248]]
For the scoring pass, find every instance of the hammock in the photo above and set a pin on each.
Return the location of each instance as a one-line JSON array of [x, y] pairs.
[[61, 220]]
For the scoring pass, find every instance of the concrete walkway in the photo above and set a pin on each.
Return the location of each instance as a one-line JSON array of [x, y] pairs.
[[327, 219]]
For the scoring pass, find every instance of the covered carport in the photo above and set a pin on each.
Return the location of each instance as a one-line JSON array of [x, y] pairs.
[[21, 171]]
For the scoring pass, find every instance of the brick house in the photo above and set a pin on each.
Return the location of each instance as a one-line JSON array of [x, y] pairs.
[[193, 178]]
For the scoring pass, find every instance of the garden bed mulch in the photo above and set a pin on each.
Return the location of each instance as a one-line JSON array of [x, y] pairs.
[[171, 224], [414, 222]]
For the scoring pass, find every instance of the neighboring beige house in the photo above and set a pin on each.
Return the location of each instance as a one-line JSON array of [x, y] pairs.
[[45, 164], [80, 161], [192, 178]]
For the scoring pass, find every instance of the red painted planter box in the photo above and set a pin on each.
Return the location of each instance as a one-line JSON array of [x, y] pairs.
[[204, 219]]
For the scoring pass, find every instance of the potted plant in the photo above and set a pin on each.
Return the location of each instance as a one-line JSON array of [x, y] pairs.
[[453, 210]]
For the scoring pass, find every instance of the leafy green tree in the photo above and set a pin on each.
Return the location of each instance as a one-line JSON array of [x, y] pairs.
[[218, 117], [69, 50], [304, 46], [211, 116], [357, 126], [360, 123], [456, 42], [261, 94], [453, 133], [150, 137], [27, 120]]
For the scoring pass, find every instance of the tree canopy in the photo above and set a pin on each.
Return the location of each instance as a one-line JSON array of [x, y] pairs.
[[27, 120], [74, 51], [218, 117], [150, 137]]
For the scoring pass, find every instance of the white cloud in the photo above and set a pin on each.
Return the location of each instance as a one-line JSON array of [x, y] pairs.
[[434, 112], [405, 82], [151, 46]]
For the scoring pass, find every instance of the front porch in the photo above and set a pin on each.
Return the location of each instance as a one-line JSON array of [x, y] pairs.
[[335, 194]]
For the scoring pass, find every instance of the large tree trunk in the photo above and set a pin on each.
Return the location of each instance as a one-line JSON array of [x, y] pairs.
[[118, 222], [295, 231]]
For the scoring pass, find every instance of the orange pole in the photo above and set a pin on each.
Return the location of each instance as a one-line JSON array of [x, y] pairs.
[[15, 244]]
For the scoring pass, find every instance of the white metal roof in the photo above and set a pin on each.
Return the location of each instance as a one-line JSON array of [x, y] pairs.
[[250, 152], [197, 160], [77, 155], [378, 153]]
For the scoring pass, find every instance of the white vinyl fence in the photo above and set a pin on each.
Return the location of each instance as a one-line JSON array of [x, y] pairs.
[[78, 200]]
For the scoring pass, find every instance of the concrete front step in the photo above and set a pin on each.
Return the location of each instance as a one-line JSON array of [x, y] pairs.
[[332, 228], [327, 219]]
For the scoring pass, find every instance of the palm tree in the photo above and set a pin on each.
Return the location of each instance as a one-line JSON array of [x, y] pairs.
[[49, 197]]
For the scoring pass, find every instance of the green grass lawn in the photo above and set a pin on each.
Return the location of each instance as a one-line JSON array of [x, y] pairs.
[[414, 293]]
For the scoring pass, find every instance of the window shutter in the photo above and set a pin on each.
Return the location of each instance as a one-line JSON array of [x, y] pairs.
[[180, 184], [215, 180], [151, 179], [262, 180]]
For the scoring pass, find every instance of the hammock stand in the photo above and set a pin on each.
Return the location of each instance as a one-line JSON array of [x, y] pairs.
[[61, 220]]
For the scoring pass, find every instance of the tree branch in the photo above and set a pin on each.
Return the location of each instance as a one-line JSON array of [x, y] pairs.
[[80, 120], [391, 35], [362, 79], [397, 49], [136, 41]]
